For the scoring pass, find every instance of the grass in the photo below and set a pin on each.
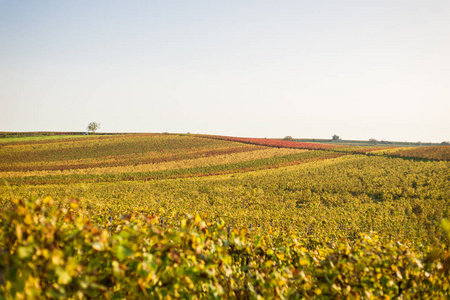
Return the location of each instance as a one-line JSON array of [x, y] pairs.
[[43, 137]]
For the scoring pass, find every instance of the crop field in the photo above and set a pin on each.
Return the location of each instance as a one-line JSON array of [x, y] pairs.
[[427, 153], [166, 216], [302, 145]]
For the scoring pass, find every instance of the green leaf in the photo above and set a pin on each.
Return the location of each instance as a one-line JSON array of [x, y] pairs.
[[63, 276], [25, 252], [446, 227], [122, 252]]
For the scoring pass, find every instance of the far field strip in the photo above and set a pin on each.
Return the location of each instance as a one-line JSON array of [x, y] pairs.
[[234, 167], [58, 190], [171, 165], [151, 157], [111, 152], [26, 139]]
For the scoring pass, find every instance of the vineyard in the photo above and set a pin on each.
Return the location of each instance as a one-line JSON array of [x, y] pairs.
[[196, 216], [430, 153]]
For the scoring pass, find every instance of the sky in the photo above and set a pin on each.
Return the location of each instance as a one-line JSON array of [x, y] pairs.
[[308, 69]]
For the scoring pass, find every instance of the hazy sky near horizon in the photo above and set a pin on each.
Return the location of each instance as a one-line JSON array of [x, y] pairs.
[[359, 69]]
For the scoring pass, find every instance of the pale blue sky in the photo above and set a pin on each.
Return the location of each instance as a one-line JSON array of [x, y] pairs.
[[360, 69]]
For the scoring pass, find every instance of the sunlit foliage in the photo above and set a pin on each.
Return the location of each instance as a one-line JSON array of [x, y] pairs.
[[113, 217], [50, 252], [432, 153]]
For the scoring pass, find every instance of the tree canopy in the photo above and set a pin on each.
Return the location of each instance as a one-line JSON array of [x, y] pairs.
[[93, 127]]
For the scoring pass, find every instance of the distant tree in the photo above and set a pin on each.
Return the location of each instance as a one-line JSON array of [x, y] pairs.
[[93, 127], [373, 141], [445, 143], [288, 138], [336, 138]]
